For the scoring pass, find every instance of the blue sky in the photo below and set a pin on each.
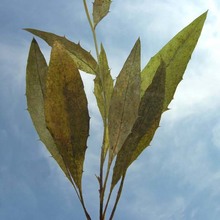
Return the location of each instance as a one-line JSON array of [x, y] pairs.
[[177, 177]]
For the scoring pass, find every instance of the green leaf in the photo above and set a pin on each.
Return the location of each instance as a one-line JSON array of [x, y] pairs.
[[82, 58], [125, 101], [100, 10], [66, 110], [149, 114], [103, 88], [176, 55], [103, 85], [35, 90]]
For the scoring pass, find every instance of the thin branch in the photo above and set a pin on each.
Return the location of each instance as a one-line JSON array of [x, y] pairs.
[[101, 191], [118, 197], [107, 202], [102, 195], [79, 195], [84, 207], [92, 28]]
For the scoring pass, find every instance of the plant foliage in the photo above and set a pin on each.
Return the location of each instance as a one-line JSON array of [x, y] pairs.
[[131, 108]]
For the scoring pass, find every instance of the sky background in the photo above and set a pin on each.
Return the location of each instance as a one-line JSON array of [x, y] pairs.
[[177, 177]]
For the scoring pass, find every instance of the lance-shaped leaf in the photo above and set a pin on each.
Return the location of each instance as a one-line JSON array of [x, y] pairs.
[[100, 10], [35, 90], [82, 58], [125, 101], [149, 114], [176, 55], [66, 110], [103, 87]]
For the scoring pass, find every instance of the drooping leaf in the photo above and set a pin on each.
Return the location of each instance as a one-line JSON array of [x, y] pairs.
[[176, 55], [103, 88], [125, 101], [35, 91], [66, 110], [149, 114], [100, 10], [82, 58]]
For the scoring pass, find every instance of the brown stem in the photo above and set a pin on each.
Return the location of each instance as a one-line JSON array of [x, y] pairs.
[[118, 197], [84, 207], [79, 194], [102, 187]]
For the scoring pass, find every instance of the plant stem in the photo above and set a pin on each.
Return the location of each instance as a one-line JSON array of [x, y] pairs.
[[101, 190], [84, 207], [104, 187], [79, 195], [102, 160], [92, 28], [118, 197]]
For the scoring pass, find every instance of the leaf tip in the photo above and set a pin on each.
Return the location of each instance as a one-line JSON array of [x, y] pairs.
[[34, 41]]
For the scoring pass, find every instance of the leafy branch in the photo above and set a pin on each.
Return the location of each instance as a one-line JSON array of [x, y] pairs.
[[131, 109]]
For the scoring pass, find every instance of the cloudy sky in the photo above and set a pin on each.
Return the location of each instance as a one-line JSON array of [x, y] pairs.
[[177, 177]]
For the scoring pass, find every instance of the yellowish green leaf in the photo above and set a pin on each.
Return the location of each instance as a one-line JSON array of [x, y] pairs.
[[35, 91], [125, 101], [100, 10], [103, 85], [103, 88], [176, 55], [66, 110], [149, 114], [82, 58]]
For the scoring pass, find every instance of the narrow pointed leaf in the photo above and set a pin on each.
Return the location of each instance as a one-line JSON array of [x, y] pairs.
[[103, 85], [35, 91], [100, 10], [82, 58], [149, 114], [66, 110], [176, 55], [103, 88], [125, 101]]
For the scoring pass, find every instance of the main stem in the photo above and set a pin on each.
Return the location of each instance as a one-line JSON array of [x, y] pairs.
[[92, 28], [101, 191], [102, 210]]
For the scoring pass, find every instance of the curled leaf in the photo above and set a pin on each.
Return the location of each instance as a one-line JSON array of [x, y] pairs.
[[125, 101], [35, 91], [100, 10], [66, 110], [82, 58], [149, 114]]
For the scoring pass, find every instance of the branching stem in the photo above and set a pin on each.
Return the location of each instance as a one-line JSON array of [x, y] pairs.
[[102, 182]]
